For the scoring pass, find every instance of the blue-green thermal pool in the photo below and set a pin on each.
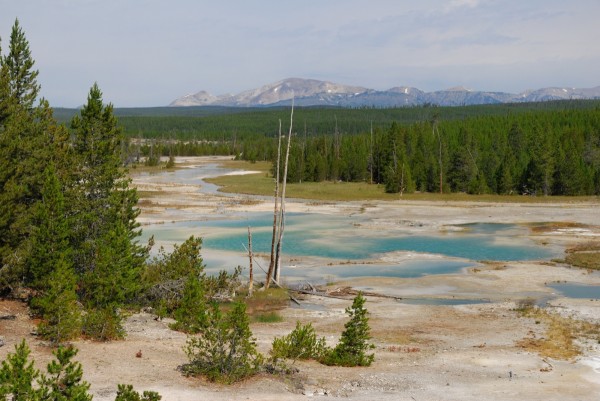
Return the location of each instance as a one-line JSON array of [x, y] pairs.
[[351, 244], [322, 246]]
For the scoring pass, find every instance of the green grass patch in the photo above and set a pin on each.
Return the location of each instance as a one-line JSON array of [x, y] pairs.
[[268, 317], [262, 166], [585, 255], [585, 260], [263, 184], [263, 301]]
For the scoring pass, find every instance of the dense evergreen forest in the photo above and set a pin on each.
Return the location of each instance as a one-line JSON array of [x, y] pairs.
[[553, 152], [547, 148]]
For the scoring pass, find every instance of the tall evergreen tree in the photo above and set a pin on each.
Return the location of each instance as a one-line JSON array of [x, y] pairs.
[[28, 137], [108, 257], [48, 242], [23, 84], [4, 89]]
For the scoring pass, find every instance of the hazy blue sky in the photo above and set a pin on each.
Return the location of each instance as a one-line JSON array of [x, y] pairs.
[[149, 52]]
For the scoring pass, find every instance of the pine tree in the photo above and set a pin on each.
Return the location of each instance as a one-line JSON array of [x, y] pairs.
[[4, 89], [17, 375], [20, 381], [65, 378], [29, 138], [23, 84], [192, 314], [48, 242], [354, 342], [58, 307], [108, 258]]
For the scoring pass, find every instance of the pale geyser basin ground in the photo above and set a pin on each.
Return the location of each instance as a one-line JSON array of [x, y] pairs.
[[465, 352]]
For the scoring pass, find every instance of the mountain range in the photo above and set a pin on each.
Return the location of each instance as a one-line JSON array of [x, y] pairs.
[[311, 92]]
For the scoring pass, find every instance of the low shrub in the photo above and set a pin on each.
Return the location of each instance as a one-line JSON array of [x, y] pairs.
[[301, 343], [103, 324], [125, 392], [224, 351]]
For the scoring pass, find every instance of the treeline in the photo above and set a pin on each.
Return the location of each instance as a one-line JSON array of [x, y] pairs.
[[553, 152], [212, 123], [543, 149]]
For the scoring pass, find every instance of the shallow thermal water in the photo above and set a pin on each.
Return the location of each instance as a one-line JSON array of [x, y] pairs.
[[574, 290], [340, 237], [345, 246]]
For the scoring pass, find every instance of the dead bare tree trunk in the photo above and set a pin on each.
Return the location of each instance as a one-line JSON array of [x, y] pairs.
[[371, 157], [282, 211], [434, 130], [275, 213], [251, 271], [441, 166], [402, 187]]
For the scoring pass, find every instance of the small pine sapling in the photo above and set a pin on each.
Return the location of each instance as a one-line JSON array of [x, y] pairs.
[[354, 342], [191, 315], [64, 380], [125, 392], [17, 374]]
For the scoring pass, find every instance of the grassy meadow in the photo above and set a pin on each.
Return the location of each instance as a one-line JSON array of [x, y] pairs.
[[262, 183]]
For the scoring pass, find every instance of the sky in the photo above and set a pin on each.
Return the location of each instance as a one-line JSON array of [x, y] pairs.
[[150, 52]]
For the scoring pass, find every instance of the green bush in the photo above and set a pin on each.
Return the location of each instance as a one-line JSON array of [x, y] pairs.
[[58, 307], [183, 261], [103, 324], [268, 317], [191, 315], [225, 351], [176, 285], [127, 393], [301, 343], [354, 342]]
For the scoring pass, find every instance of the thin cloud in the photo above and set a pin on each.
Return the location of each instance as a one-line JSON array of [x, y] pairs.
[[146, 53]]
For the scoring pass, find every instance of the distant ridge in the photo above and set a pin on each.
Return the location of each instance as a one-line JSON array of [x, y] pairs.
[[312, 92]]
